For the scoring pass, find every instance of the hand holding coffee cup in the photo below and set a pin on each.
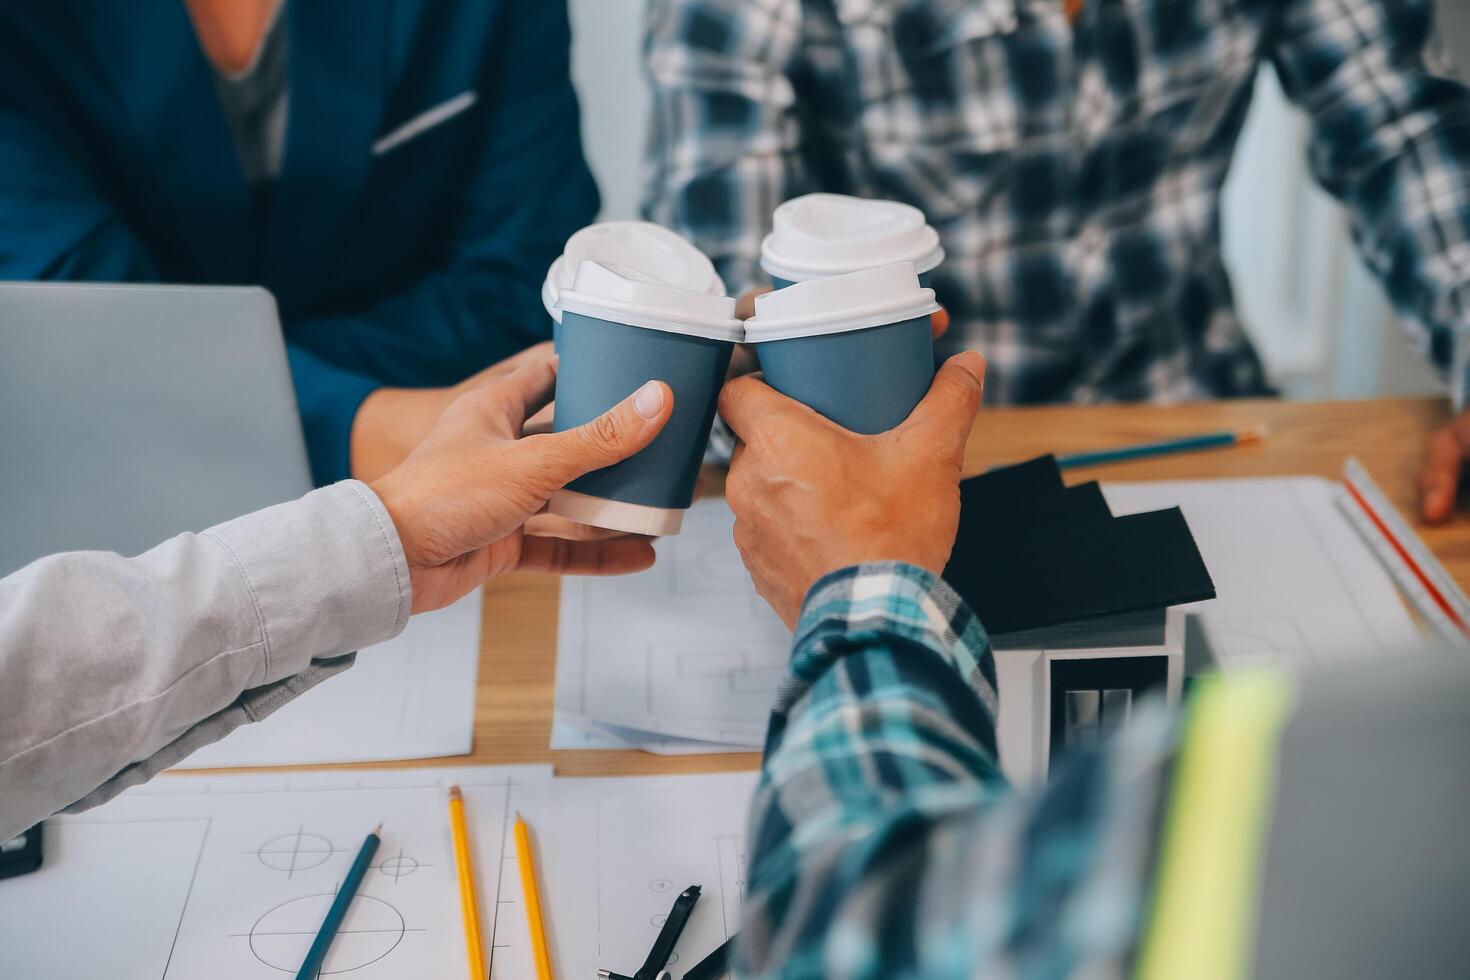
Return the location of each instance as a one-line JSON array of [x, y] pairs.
[[619, 329], [811, 497]]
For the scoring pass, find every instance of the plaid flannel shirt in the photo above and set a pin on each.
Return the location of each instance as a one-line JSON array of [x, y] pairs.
[[1073, 170], [884, 842]]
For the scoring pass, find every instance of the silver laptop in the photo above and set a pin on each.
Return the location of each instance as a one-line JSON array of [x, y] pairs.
[[131, 413]]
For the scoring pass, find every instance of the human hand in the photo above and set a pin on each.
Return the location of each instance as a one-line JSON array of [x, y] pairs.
[[462, 499], [1444, 462], [390, 422], [810, 497]]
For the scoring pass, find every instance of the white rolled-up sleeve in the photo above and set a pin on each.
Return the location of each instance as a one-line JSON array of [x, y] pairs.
[[113, 669]]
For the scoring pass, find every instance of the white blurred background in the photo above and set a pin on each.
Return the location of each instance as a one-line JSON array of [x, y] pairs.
[[1317, 315]]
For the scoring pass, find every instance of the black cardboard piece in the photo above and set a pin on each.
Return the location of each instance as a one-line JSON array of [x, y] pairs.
[[1031, 553]]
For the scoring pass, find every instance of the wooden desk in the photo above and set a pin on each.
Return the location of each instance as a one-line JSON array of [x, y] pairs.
[[518, 653]]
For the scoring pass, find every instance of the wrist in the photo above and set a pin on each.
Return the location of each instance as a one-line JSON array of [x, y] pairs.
[[891, 597], [877, 556]]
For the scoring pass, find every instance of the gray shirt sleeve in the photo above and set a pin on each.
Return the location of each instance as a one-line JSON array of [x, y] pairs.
[[112, 668]]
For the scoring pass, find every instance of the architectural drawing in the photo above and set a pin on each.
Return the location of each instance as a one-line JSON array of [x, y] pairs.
[[230, 877], [686, 651], [372, 930]]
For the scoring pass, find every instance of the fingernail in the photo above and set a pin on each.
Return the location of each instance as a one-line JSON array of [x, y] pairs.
[[649, 400]]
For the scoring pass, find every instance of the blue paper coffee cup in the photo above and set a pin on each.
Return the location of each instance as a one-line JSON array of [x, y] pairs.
[[643, 247], [821, 235], [620, 329], [857, 348]]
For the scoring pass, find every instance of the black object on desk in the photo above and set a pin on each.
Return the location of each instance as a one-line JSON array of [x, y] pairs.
[[1032, 552], [668, 938], [21, 855], [713, 965]]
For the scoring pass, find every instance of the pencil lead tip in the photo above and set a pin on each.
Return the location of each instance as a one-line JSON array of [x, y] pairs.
[[378, 829], [455, 794]]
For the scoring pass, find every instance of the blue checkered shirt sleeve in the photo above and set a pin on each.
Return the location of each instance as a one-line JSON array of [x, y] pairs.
[[1391, 139], [884, 841]]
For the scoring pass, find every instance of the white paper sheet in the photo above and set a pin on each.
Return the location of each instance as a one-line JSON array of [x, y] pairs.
[[1295, 583], [568, 733], [410, 698], [229, 877], [617, 852], [688, 652]]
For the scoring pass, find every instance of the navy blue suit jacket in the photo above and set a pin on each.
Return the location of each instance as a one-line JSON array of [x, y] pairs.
[[399, 254]]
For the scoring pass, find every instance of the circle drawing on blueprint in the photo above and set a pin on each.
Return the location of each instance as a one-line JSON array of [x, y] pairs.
[[295, 852], [399, 866], [660, 885], [281, 937]]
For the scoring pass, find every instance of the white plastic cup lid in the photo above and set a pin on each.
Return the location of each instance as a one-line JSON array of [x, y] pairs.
[[619, 294], [838, 304], [821, 235], [652, 250]]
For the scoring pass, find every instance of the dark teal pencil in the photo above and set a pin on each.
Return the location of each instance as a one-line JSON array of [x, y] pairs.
[[1209, 440], [315, 956]]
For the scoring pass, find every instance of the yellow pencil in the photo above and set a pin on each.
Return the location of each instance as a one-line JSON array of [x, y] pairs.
[[462, 868], [533, 900]]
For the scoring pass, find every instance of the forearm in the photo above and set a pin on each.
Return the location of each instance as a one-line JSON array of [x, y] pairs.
[[886, 723], [112, 668], [1391, 139], [884, 841]]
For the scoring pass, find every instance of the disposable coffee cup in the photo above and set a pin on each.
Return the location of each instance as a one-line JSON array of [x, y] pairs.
[[817, 236], [649, 250], [620, 329], [857, 348]]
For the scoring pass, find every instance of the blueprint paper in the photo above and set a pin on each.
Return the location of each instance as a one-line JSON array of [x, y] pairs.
[[615, 853], [1296, 584], [688, 652], [229, 877], [412, 697]]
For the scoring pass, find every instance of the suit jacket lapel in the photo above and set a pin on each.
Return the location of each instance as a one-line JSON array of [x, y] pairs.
[[337, 77], [166, 86]]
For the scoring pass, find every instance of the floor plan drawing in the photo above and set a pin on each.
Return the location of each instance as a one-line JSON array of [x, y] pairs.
[[230, 877], [687, 655], [685, 651]]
